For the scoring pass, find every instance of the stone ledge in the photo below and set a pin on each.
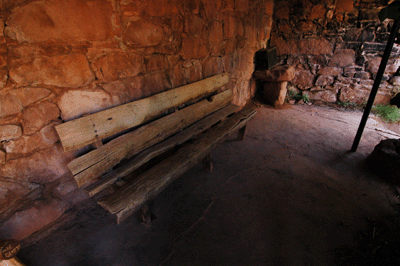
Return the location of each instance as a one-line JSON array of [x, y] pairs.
[[276, 74], [275, 83]]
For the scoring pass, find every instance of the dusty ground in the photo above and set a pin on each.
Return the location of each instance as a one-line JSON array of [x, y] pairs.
[[290, 194]]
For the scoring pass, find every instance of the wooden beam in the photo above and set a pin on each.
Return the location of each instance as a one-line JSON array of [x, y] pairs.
[[85, 130], [130, 198], [91, 165], [161, 147]]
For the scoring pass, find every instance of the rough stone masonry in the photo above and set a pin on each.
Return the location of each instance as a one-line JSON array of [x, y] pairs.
[[336, 48], [60, 60]]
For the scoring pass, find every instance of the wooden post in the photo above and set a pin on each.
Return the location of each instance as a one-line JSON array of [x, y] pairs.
[[144, 215], [9, 248]]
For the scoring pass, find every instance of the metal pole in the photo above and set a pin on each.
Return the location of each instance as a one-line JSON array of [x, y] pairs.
[[377, 82]]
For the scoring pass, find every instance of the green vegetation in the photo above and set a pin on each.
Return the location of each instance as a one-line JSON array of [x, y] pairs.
[[346, 104], [297, 96], [305, 98], [388, 113]]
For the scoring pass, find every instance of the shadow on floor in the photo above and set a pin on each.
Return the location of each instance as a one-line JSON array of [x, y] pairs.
[[289, 194]]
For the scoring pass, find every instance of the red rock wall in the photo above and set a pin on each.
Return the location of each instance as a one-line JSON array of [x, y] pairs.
[[336, 48], [62, 59]]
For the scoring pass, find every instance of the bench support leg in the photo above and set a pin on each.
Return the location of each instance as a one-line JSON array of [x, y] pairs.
[[207, 163], [97, 144], [145, 215], [241, 133]]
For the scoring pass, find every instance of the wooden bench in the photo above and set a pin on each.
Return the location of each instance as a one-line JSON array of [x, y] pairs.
[[139, 148]]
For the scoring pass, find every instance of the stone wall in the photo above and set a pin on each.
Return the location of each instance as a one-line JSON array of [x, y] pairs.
[[60, 60], [336, 47]]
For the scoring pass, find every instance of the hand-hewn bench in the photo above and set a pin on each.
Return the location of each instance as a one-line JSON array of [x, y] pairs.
[[139, 148]]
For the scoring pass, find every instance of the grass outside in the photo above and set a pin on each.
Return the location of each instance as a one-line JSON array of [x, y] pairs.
[[387, 113]]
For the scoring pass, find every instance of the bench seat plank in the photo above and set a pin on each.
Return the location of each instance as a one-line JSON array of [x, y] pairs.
[[91, 165], [161, 147], [134, 194]]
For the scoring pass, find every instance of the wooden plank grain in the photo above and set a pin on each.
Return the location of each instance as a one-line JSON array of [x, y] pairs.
[[85, 130], [191, 156], [161, 147], [96, 162], [128, 199]]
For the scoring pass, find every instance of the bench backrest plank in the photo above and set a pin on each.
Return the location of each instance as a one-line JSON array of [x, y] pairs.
[[86, 130], [93, 164]]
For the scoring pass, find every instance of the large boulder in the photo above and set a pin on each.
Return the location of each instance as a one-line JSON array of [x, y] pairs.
[[9, 132], [359, 94], [41, 167], [385, 160], [304, 78], [275, 92], [193, 48], [316, 46], [70, 70], [117, 65], [37, 116], [74, 103], [143, 33], [343, 58], [68, 21]]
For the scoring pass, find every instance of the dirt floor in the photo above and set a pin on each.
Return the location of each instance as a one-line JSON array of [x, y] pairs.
[[291, 193]]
